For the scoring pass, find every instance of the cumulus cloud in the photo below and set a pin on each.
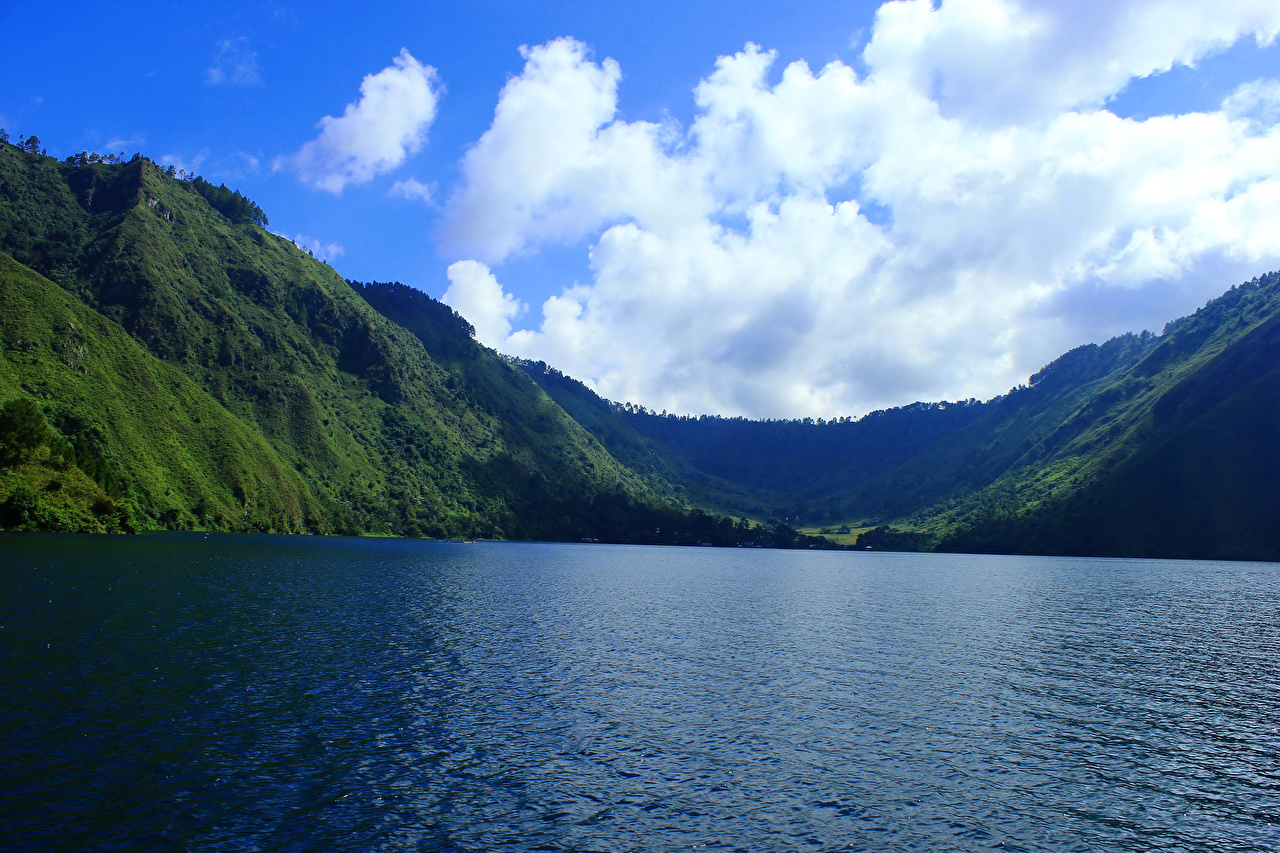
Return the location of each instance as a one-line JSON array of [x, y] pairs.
[[551, 167], [234, 64], [375, 134], [998, 60], [475, 294], [825, 242]]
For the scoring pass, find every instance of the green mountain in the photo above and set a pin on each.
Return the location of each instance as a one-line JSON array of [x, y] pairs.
[[1029, 428], [166, 362], [1175, 455], [140, 431], [1144, 445], [803, 470], [223, 379]]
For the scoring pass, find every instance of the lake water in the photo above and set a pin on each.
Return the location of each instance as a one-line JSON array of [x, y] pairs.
[[290, 694]]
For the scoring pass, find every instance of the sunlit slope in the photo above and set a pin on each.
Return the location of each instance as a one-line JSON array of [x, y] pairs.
[[1046, 426], [542, 438], [385, 437], [154, 440]]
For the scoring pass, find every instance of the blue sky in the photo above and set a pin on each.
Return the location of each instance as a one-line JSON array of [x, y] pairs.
[[879, 203], [138, 75]]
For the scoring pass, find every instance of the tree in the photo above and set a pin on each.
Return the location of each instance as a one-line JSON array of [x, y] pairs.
[[32, 145], [230, 204], [23, 430], [4, 135]]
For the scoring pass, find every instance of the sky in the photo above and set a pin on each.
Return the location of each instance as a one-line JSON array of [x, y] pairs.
[[761, 209]]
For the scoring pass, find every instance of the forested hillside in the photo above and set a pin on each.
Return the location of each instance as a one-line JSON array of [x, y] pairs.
[[1143, 445], [800, 470], [226, 380], [166, 362], [1174, 456]]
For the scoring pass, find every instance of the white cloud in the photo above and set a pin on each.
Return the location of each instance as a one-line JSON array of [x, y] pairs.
[[552, 167], [475, 294], [831, 242], [376, 133], [1257, 101], [234, 64], [320, 249], [997, 60], [413, 190]]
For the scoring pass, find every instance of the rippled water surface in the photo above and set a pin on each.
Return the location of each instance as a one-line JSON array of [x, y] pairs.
[[298, 694]]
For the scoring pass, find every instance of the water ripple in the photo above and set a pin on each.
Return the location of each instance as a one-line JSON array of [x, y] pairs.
[[232, 694]]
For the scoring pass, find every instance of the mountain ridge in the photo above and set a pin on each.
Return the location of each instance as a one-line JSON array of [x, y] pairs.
[[1063, 464], [269, 393], [385, 438]]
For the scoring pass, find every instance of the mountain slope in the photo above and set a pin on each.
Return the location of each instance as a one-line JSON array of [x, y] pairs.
[[799, 469], [1177, 456], [381, 436], [200, 372], [1144, 445], [1031, 425], [153, 438]]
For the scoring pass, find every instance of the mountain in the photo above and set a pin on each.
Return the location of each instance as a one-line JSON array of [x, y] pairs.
[[802, 470], [225, 380], [167, 362], [130, 421], [1173, 456], [1145, 445]]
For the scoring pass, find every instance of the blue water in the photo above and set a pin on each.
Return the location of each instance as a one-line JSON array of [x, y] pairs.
[[290, 694]]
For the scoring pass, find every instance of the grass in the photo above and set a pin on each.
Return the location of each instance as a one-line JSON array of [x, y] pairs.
[[856, 528]]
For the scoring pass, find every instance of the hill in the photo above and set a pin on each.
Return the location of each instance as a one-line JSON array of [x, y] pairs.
[[167, 362], [1173, 456], [139, 438], [798, 470], [232, 382], [1145, 445]]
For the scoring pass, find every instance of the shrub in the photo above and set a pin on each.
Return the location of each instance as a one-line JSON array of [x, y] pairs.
[[23, 431], [21, 511]]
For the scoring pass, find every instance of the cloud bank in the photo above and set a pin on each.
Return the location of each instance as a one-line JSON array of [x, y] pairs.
[[826, 242], [376, 133]]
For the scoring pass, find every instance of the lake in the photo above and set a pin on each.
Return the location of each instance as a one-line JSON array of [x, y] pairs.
[[288, 694]]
